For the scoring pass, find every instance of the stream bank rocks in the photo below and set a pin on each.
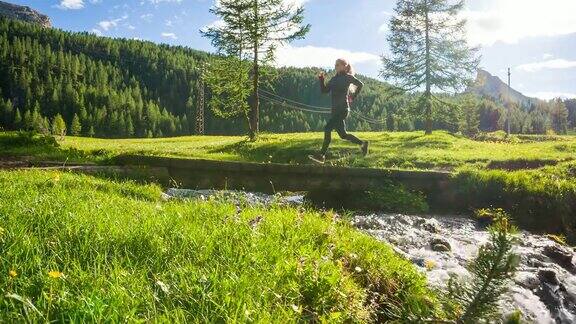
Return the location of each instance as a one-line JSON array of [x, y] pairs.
[[440, 245], [544, 288], [562, 256]]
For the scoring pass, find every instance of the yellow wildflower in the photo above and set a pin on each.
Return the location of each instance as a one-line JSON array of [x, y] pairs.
[[57, 178], [12, 273], [430, 264], [55, 274]]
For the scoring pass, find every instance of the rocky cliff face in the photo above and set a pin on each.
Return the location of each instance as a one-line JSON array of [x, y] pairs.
[[491, 86], [24, 13]]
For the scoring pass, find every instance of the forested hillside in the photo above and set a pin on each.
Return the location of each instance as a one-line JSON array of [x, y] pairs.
[[103, 87], [121, 88]]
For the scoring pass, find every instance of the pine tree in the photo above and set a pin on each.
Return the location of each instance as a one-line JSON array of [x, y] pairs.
[[17, 119], [28, 122], [45, 126], [185, 125], [229, 82], [91, 132], [470, 121], [253, 29], [492, 271], [5, 118], [58, 126], [38, 120], [121, 126], [129, 127], [559, 114], [75, 126], [429, 51]]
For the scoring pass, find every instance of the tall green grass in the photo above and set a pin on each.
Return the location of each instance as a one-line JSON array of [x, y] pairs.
[[79, 248], [542, 200]]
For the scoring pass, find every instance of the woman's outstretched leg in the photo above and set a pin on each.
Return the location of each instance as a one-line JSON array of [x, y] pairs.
[[341, 129], [330, 125], [327, 140]]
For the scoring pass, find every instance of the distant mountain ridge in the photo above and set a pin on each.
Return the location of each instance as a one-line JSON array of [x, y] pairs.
[[24, 13], [491, 86]]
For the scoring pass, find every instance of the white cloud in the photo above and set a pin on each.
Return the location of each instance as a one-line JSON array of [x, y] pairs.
[[296, 2], [71, 4], [383, 29], [311, 56], [512, 20], [547, 56], [161, 1], [106, 25], [169, 35], [96, 32], [147, 17], [551, 95], [556, 64]]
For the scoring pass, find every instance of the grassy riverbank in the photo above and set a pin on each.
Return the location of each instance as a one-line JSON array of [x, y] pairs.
[[78, 248]]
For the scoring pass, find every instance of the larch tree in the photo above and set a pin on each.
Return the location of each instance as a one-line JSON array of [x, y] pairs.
[[429, 51], [252, 30], [559, 114], [58, 126], [75, 126]]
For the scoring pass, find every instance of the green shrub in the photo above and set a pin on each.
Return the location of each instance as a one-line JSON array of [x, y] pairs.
[[390, 197], [26, 139], [541, 200]]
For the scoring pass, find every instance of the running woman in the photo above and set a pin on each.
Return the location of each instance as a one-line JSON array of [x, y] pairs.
[[344, 88]]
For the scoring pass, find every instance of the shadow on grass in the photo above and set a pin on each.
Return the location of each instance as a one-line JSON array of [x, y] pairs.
[[423, 141], [35, 147], [296, 151]]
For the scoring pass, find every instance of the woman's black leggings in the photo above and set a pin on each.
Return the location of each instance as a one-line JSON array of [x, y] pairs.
[[338, 122]]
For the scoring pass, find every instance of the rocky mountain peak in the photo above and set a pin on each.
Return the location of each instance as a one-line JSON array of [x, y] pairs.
[[491, 86], [24, 13]]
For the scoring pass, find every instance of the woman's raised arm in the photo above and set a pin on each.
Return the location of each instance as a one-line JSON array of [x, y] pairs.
[[323, 87]]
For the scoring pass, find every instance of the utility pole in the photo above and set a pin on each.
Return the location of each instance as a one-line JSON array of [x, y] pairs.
[[509, 104], [200, 107]]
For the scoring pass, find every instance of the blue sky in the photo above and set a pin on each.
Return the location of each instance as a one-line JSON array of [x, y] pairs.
[[536, 38]]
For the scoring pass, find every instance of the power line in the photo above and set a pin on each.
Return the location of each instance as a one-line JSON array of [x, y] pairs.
[[286, 105], [318, 111], [200, 108], [368, 120], [509, 104], [293, 101], [315, 109]]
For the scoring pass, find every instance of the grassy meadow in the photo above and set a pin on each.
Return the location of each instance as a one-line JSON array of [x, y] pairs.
[[397, 150], [532, 177], [405, 150], [78, 248]]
